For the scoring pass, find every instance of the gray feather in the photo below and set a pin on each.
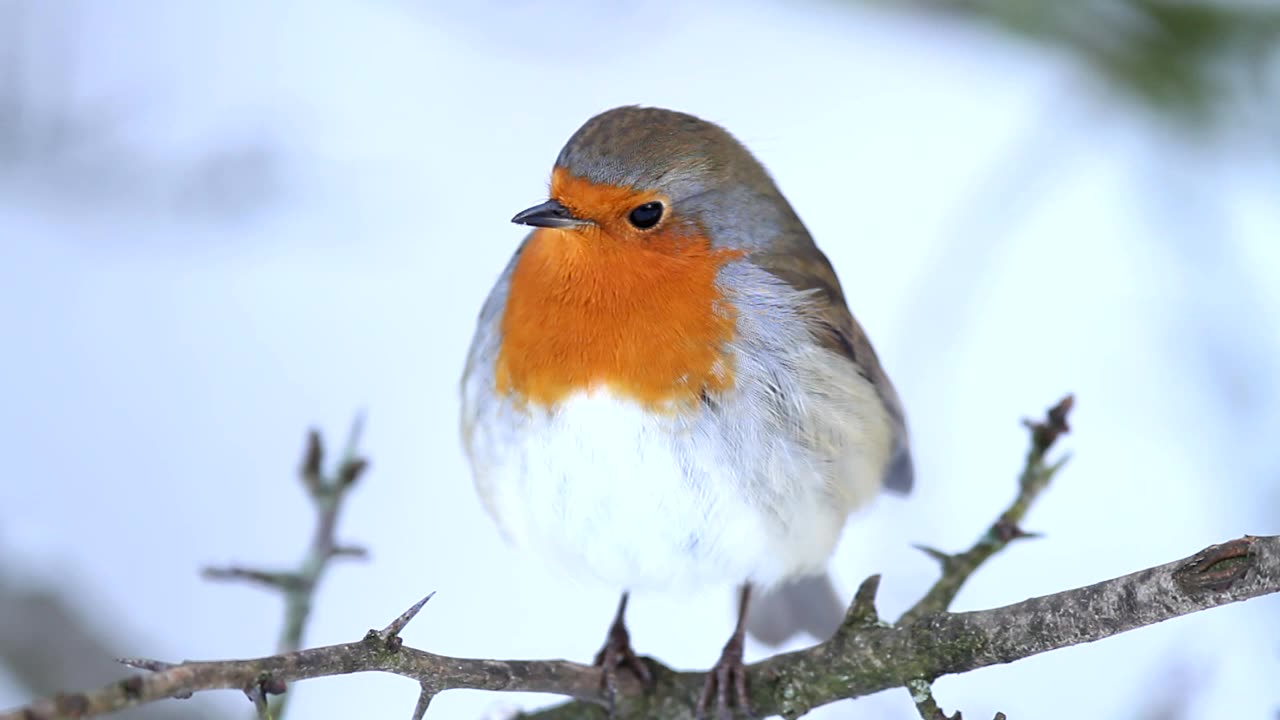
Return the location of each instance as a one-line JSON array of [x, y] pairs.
[[900, 476], [810, 605]]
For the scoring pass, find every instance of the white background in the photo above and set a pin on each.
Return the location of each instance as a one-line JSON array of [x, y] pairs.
[[1006, 231]]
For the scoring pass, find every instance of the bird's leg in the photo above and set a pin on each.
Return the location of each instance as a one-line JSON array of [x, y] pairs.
[[617, 653], [729, 673]]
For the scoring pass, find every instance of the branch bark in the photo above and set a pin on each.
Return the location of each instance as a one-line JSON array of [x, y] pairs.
[[865, 656], [856, 662]]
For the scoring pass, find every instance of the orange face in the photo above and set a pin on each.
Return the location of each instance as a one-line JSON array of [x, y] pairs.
[[607, 304]]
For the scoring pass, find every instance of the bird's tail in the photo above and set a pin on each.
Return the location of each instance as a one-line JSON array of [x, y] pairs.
[[809, 604]]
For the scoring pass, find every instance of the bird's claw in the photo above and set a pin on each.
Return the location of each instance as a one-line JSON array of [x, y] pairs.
[[617, 653], [728, 674]]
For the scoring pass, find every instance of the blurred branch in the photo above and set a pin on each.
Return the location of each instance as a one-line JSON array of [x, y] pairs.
[[327, 492], [48, 642], [865, 656], [71, 148], [1186, 60]]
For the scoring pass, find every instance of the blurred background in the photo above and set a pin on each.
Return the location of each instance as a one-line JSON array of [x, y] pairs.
[[223, 223]]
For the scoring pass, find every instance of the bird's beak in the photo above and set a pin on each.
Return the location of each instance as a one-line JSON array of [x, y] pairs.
[[550, 214]]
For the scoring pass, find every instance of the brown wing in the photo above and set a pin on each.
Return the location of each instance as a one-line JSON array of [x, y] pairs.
[[805, 267]]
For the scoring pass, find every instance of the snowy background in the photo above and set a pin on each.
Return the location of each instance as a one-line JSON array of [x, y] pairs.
[[222, 223]]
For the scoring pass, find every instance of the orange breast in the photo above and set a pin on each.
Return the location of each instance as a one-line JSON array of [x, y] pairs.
[[644, 319]]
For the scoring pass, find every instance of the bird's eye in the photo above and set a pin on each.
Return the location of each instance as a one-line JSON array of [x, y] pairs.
[[646, 216]]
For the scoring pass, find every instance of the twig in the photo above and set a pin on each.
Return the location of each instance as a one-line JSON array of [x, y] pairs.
[[928, 708], [922, 695], [327, 492], [851, 664], [957, 569], [1036, 473], [424, 702], [283, 581]]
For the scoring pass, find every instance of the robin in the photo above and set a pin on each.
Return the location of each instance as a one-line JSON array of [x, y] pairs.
[[667, 391]]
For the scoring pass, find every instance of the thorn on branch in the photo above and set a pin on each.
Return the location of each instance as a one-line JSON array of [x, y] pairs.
[[398, 625], [1006, 531], [355, 552], [390, 635], [132, 686], [942, 558], [145, 664], [284, 581], [862, 612]]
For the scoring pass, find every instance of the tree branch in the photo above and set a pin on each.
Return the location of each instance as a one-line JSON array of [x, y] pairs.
[[854, 663], [865, 655], [327, 492], [1035, 477]]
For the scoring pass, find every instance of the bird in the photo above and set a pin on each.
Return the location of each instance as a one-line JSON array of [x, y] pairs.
[[667, 392]]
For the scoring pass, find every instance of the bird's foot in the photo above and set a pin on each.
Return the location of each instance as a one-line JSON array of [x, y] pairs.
[[727, 679], [617, 654]]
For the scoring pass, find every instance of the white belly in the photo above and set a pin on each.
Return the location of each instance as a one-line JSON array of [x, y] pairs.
[[607, 492]]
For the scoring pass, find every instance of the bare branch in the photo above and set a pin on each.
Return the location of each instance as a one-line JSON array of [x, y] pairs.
[[856, 662], [957, 569], [354, 552], [1036, 473], [864, 656], [282, 581], [327, 492]]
